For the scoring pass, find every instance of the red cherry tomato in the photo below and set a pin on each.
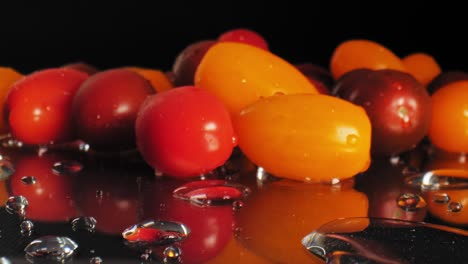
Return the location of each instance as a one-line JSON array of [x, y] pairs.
[[105, 108], [38, 107], [48, 193], [246, 36], [184, 132]]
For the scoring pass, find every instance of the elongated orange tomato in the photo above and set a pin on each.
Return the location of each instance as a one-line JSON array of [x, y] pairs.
[[240, 74], [449, 119], [362, 53], [422, 66], [307, 137]]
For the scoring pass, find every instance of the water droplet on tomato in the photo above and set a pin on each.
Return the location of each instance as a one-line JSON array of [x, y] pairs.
[[156, 233], [352, 139], [68, 167], [17, 205], [86, 223], [411, 202], [51, 248], [440, 198], [95, 260], [455, 207], [6, 169], [28, 180], [26, 227], [211, 192]]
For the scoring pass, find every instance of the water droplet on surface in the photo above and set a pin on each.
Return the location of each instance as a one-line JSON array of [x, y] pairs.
[[211, 192], [237, 205], [156, 233], [42, 150], [6, 169], [17, 205], [51, 248], [86, 223], [455, 207], [68, 167], [395, 160], [388, 241], [439, 179], [440, 198], [172, 254], [26, 227], [12, 143], [411, 202], [95, 260], [99, 194], [83, 147], [28, 180], [158, 173], [352, 139], [145, 256], [4, 260]]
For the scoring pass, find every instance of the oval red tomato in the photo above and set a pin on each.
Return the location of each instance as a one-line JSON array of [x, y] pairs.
[[184, 132], [38, 107], [105, 108]]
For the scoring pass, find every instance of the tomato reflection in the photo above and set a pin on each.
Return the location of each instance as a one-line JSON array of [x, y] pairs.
[[275, 219], [210, 226]]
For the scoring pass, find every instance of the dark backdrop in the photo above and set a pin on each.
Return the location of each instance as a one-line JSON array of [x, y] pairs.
[[38, 34]]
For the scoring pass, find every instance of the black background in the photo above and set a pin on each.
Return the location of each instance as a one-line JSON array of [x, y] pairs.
[[39, 34]]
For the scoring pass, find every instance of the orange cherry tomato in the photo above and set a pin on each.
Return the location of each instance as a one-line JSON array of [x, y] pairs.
[[308, 137], [158, 79], [7, 77], [449, 123], [241, 74], [274, 220], [422, 66], [361, 53]]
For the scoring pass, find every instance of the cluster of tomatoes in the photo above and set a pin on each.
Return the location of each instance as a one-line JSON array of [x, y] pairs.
[[297, 121]]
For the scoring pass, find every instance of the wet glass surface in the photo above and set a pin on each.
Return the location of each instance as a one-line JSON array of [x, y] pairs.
[[112, 208]]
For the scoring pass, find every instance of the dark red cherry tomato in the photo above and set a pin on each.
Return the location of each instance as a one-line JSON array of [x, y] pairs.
[[48, 193], [105, 108], [184, 132], [246, 36], [38, 107]]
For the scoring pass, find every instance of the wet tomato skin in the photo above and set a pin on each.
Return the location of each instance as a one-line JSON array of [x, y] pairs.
[[184, 132], [105, 108], [38, 107], [398, 106], [449, 121], [303, 137]]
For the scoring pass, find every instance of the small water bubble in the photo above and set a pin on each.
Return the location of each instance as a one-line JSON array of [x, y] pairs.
[[4, 260], [99, 194], [17, 205], [395, 160], [68, 167], [237, 205], [12, 143], [211, 192], [6, 169], [440, 198], [26, 227], [172, 254], [83, 147], [158, 173], [411, 202], [51, 248], [454, 207], [86, 223], [145, 256], [95, 260], [28, 180], [462, 158], [42, 150]]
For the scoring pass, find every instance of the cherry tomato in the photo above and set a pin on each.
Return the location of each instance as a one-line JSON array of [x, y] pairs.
[[211, 227], [304, 137], [449, 122], [38, 106], [184, 132], [422, 66], [105, 108], [187, 61], [361, 53], [240, 74], [244, 35], [7, 77], [49, 194]]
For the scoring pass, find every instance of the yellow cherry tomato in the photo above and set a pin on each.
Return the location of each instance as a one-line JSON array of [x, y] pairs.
[[422, 66], [308, 137], [7, 77], [157, 78], [449, 120], [362, 53], [240, 74]]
